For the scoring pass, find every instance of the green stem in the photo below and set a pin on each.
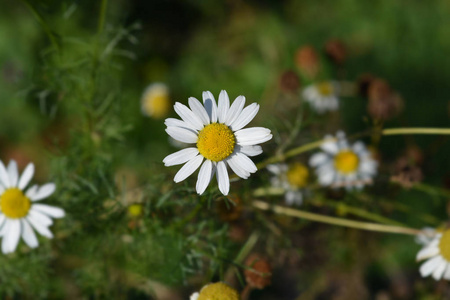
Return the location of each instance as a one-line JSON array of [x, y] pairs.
[[333, 220], [397, 131], [44, 25]]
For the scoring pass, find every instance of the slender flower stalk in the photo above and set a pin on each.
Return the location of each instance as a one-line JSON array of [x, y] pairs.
[[316, 144], [333, 220]]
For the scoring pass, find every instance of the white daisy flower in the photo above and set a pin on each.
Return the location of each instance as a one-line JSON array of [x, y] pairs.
[[292, 178], [155, 101], [343, 165], [437, 254], [218, 290], [19, 212], [322, 96], [216, 131]]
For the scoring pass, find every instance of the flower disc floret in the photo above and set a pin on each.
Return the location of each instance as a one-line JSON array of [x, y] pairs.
[[346, 162], [14, 203], [216, 142], [218, 291], [297, 175], [325, 88], [444, 245]]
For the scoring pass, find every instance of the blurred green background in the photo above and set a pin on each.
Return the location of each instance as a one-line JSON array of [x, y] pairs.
[[243, 47]]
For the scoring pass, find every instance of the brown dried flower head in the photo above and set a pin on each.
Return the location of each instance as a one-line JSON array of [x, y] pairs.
[[336, 51], [260, 273], [289, 82], [406, 173], [384, 104], [230, 211], [307, 61]]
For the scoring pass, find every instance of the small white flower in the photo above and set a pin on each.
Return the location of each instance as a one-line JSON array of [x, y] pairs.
[[343, 165], [216, 130], [292, 178], [437, 254], [155, 101], [19, 212], [322, 96]]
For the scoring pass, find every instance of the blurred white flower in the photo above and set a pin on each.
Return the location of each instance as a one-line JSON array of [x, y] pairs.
[[292, 178], [155, 101], [216, 130], [437, 254], [20, 213], [343, 165], [322, 96]]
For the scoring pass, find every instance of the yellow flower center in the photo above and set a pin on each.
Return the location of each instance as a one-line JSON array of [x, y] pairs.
[[14, 203], [297, 175], [216, 142], [135, 210], [218, 291], [346, 162], [325, 88], [444, 245], [157, 106]]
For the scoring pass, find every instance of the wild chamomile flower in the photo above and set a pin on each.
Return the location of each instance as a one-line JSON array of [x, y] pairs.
[[322, 96], [155, 101], [437, 253], [19, 214], [216, 131], [216, 291], [343, 165], [292, 178]]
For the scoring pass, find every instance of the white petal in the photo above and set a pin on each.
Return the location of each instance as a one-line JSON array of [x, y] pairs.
[[194, 296], [171, 122], [237, 169], [447, 272], [251, 150], [222, 178], [430, 265], [210, 105], [40, 217], [49, 210], [204, 176], [275, 168], [235, 110], [12, 236], [43, 192], [2, 189], [223, 107], [188, 116], [4, 178], [26, 176], [427, 252], [245, 117], [198, 109], [318, 159], [41, 228], [245, 163], [32, 191], [28, 234], [2, 220], [326, 178], [252, 136], [188, 168], [182, 134], [329, 145], [13, 173], [180, 157], [439, 271]]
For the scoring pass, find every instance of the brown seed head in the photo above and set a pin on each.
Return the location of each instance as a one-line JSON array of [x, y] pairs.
[[307, 61], [260, 273], [336, 51]]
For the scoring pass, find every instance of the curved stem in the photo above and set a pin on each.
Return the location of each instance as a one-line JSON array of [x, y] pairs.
[[333, 220]]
